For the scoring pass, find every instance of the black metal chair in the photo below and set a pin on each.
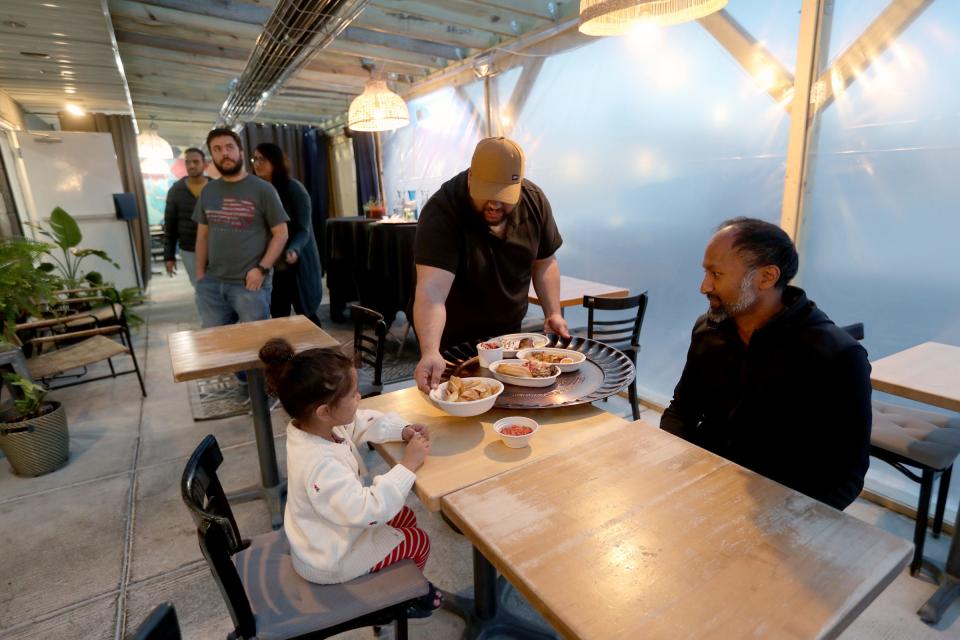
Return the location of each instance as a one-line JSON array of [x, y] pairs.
[[368, 349], [266, 598], [161, 624], [622, 333], [922, 445]]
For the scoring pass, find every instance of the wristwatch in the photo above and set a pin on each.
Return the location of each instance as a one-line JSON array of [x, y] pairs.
[[263, 269]]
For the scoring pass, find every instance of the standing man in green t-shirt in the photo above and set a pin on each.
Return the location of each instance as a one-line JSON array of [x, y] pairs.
[[241, 231]]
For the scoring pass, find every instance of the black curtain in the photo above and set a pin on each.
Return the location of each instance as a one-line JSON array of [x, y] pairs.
[[288, 137], [365, 157], [309, 154], [316, 157]]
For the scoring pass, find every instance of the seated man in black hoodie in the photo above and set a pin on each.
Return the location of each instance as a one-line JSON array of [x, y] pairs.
[[770, 382]]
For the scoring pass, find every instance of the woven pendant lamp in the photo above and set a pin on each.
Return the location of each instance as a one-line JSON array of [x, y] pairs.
[[377, 109], [617, 17], [150, 146]]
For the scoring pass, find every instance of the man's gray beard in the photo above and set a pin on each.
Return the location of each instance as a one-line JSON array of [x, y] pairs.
[[744, 301]]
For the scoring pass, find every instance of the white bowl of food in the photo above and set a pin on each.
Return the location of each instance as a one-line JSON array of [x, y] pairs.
[[489, 352], [524, 373], [566, 359], [513, 342], [516, 431], [465, 397]]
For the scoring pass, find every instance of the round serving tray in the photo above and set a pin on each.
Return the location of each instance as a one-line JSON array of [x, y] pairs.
[[605, 372]]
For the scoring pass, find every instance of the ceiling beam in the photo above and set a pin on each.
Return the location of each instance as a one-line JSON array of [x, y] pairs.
[[328, 61], [537, 9], [405, 24], [874, 40], [765, 69], [461, 14], [172, 19]]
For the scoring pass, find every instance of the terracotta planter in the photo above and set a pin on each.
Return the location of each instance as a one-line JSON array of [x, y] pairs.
[[38, 445]]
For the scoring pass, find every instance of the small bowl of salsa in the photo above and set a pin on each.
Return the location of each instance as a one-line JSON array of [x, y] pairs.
[[516, 431]]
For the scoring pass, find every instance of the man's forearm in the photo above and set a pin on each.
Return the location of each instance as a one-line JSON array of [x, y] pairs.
[[201, 251], [546, 282], [429, 318], [274, 249]]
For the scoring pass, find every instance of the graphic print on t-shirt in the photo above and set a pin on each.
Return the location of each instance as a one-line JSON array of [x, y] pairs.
[[236, 213]]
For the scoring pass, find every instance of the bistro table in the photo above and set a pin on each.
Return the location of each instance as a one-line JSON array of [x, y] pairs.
[[572, 291], [345, 249], [231, 348], [465, 451], [370, 261], [929, 373], [643, 535]]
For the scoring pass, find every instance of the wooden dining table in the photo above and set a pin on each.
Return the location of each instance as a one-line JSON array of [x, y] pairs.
[[643, 535], [202, 353], [465, 451], [572, 291], [928, 373]]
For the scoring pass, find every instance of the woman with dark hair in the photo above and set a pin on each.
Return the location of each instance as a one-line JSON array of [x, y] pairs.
[[296, 281]]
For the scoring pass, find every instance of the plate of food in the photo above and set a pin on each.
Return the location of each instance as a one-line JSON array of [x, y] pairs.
[[513, 342], [525, 373], [566, 359], [465, 397]]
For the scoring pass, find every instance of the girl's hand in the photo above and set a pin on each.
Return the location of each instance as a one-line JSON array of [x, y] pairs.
[[416, 452], [411, 429]]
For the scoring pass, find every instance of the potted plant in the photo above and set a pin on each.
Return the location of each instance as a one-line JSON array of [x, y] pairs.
[[24, 287], [33, 434]]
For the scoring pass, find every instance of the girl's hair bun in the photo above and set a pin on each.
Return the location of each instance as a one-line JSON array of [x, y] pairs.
[[276, 352]]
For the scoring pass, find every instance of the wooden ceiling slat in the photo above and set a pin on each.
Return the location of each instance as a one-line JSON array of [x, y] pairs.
[[402, 24], [462, 14]]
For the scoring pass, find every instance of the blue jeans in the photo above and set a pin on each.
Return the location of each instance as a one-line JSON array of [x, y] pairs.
[[221, 303]]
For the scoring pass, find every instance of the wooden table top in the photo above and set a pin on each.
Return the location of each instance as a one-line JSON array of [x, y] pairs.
[[465, 451], [572, 291], [928, 372], [643, 535], [208, 352]]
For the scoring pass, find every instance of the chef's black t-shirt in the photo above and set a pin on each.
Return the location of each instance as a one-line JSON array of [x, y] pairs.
[[492, 275]]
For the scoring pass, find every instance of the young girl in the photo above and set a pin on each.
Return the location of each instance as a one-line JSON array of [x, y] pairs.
[[339, 529]]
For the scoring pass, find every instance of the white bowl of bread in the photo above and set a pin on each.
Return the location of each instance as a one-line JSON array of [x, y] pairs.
[[524, 373], [566, 359]]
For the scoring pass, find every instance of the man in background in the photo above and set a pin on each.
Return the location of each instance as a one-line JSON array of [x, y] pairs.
[[241, 231], [178, 226]]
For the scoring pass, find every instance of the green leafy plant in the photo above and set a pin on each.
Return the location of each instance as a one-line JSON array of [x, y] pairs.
[[130, 297], [65, 233], [24, 286], [29, 404]]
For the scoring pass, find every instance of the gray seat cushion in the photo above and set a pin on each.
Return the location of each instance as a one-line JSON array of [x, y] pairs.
[[931, 439], [285, 605]]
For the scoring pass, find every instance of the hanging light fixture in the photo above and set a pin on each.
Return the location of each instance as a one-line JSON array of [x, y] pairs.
[[377, 108], [150, 146], [617, 17]]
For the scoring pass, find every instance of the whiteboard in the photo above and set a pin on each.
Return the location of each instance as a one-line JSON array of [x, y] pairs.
[[78, 172], [74, 170]]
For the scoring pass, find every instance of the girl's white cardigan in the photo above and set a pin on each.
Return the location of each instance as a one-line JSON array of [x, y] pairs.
[[336, 526]]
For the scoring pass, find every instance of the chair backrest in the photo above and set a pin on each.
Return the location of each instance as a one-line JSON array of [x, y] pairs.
[[161, 624], [366, 348], [217, 530], [623, 331], [855, 330]]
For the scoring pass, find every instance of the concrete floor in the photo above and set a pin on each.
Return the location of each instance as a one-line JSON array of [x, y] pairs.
[[89, 550]]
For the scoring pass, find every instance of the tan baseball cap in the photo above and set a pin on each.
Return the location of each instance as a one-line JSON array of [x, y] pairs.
[[496, 171]]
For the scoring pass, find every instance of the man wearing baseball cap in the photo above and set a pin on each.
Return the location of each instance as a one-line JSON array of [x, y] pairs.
[[481, 239]]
